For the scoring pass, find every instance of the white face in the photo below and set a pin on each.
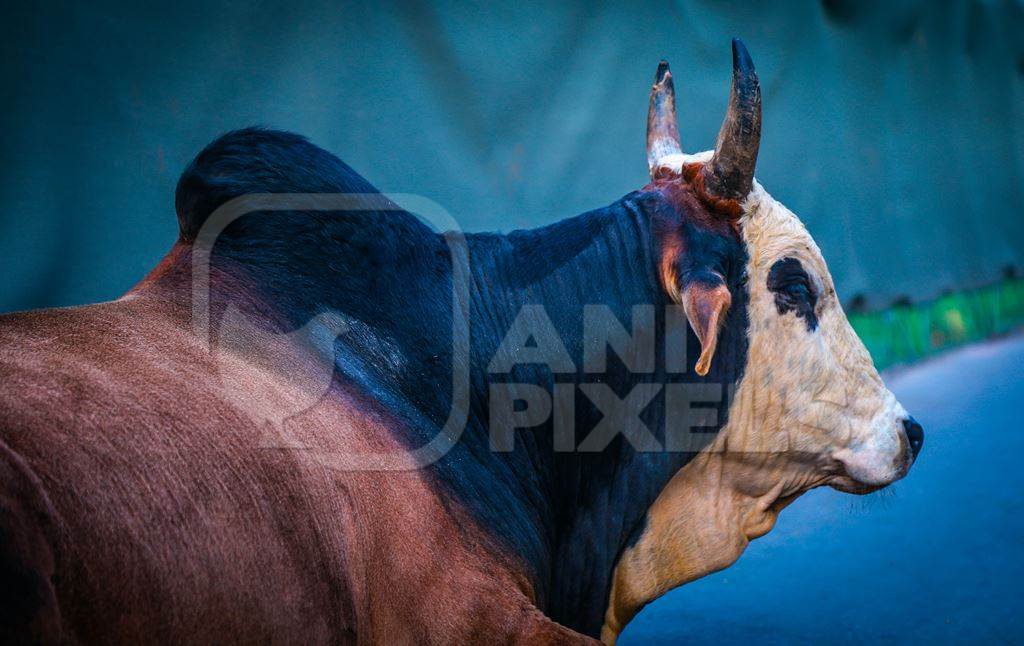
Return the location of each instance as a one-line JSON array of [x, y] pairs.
[[810, 390], [807, 371]]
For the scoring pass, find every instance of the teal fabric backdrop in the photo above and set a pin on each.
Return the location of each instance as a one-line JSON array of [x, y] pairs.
[[895, 129]]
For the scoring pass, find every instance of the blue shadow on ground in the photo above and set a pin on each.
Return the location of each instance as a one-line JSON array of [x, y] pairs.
[[938, 557]]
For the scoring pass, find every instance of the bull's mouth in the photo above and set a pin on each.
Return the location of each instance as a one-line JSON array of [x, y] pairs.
[[839, 478], [846, 484]]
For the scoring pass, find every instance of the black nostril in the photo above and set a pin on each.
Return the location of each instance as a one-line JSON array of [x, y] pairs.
[[915, 435]]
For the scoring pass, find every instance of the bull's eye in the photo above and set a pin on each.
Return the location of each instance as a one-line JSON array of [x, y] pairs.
[[791, 285], [797, 291]]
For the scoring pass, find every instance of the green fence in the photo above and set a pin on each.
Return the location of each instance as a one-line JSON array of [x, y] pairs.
[[906, 333]]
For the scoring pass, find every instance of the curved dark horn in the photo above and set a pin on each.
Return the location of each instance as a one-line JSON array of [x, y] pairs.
[[662, 131], [730, 173]]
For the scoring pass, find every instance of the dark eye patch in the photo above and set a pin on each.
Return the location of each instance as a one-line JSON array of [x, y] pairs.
[[793, 291]]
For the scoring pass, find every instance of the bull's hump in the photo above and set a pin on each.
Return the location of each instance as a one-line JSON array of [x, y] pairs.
[[254, 161]]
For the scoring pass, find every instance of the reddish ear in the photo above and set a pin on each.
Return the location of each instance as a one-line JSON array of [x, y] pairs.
[[705, 306]]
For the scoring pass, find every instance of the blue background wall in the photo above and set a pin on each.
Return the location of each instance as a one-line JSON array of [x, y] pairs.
[[895, 129]]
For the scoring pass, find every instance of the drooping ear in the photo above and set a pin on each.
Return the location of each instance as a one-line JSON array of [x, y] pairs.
[[705, 304], [701, 290]]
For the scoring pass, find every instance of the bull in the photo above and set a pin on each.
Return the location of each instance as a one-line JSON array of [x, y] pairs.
[[163, 485]]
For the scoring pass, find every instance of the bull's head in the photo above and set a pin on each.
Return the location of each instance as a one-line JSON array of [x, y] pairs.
[[809, 409]]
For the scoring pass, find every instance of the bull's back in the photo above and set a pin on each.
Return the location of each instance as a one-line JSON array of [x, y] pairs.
[[114, 424]]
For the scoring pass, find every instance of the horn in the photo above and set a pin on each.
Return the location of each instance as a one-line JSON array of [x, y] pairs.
[[662, 131], [730, 172]]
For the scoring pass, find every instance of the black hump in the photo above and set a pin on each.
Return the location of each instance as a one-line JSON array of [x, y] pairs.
[[257, 160]]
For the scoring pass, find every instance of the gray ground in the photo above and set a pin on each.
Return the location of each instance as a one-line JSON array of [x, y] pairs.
[[939, 557]]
